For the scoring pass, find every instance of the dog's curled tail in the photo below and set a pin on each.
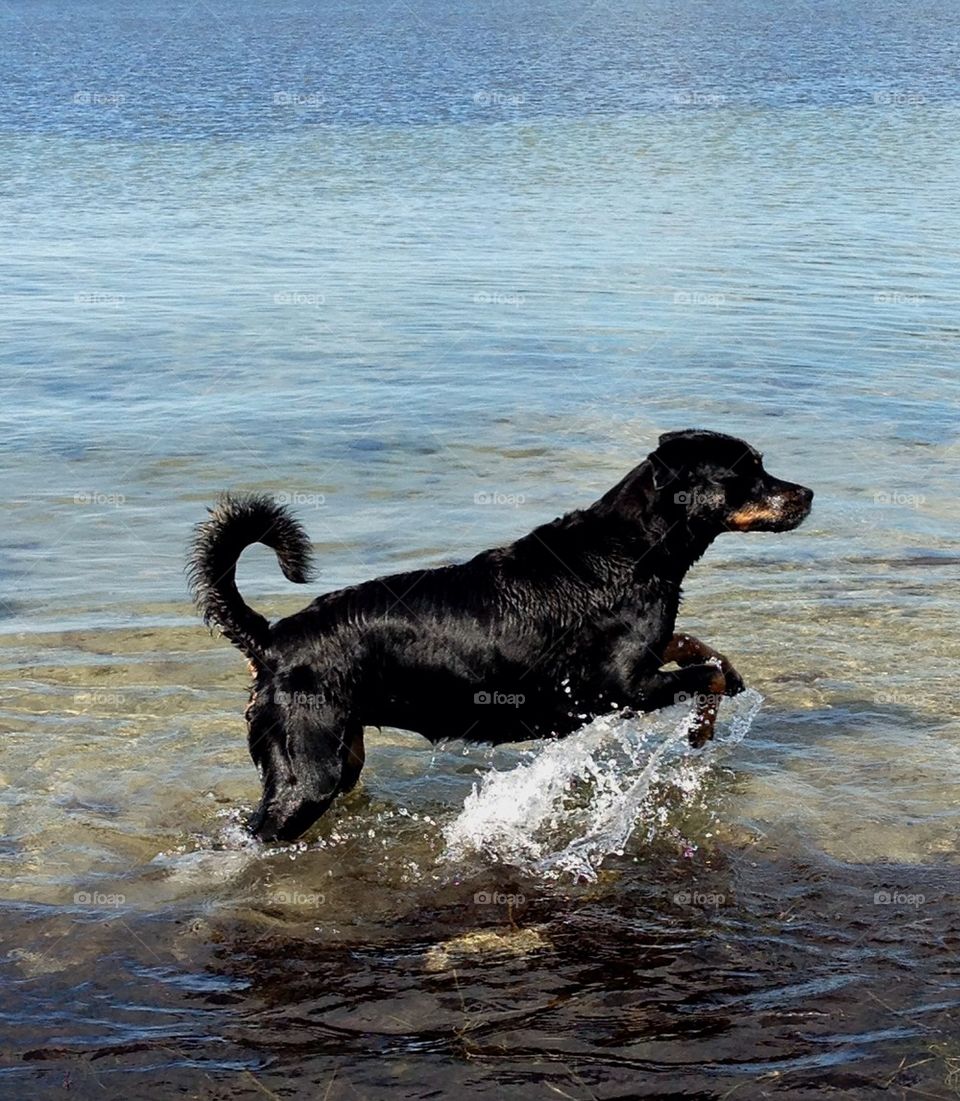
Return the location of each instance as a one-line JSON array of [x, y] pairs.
[[235, 523]]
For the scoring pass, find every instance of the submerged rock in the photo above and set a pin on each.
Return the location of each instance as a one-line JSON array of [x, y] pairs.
[[516, 942]]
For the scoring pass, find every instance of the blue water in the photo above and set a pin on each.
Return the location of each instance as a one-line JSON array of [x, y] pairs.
[[376, 247], [397, 261]]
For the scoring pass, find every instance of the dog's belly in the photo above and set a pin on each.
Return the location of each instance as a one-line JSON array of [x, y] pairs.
[[497, 724], [440, 707], [510, 703]]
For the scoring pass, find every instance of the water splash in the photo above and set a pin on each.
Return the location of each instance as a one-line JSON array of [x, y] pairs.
[[580, 799]]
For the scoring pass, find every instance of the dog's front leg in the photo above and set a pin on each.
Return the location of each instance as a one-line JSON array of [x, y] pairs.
[[686, 650], [703, 684]]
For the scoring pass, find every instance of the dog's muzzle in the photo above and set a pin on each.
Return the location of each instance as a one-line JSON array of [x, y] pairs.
[[784, 505]]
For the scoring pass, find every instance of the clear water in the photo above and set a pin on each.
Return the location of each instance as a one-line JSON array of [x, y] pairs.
[[438, 273]]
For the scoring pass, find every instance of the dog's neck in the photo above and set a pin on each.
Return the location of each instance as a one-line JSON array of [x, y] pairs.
[[668, 547], [652, 529]]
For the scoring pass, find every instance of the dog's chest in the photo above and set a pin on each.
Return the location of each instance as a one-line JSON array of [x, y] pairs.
[[650, 612], [643, 627]]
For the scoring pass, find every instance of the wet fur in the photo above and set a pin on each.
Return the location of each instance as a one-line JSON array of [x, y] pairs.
[[530, 640]]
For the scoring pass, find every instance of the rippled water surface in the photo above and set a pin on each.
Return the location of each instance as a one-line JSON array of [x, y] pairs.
[[436, 273]]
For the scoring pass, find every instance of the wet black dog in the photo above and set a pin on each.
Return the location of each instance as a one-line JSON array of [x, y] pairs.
[[526, 641]]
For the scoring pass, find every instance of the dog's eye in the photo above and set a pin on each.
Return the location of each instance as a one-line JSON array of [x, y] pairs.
[[752, 464]]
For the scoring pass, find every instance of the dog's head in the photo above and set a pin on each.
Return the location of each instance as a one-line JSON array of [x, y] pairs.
[[299, 760], [718, 483]]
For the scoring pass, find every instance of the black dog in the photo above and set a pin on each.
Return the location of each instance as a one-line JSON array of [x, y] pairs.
[[531, 640]]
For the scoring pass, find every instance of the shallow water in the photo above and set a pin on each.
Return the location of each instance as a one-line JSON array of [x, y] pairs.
[[436, 275]]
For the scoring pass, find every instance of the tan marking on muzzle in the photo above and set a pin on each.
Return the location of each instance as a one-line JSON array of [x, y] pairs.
[[745, 518]]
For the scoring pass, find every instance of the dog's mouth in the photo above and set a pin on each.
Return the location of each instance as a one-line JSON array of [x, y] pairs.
[[271, 824], [784, 509], [284, 819]]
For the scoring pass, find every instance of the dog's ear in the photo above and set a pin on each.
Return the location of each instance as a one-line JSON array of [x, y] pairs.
[[662, 474], [673, 453], [677, 452]]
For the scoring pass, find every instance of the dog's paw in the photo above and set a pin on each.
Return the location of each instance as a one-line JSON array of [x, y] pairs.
[[700, 733]]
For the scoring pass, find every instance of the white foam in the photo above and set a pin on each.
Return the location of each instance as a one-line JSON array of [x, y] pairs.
[[581, 798], [203, 866], [220, 857]]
